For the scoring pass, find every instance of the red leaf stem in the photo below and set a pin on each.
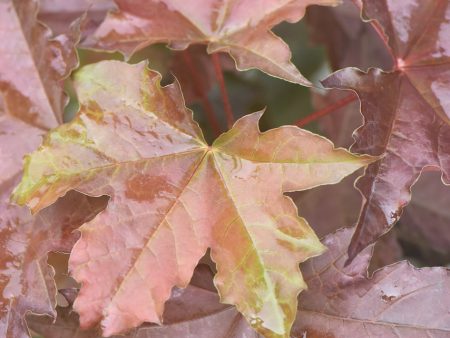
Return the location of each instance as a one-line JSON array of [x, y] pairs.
[[196, 81], [329, 109], [223, 90]]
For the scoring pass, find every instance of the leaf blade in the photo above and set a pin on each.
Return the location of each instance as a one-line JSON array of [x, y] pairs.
[[342, 301], [410, 125], [46, 61], [175, 199], [237, 28]]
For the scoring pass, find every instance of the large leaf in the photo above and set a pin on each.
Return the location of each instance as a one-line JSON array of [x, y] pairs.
[[398, 301], [173, 196], [406, 111], [237, 27]]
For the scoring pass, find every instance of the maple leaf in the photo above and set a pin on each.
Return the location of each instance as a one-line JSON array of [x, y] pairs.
[[397, 301], [406, 111], [30, 106], [239, 28], [173, 196]]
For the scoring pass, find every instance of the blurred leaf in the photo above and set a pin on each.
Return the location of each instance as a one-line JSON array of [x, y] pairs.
[[425, 224], [350, 42]]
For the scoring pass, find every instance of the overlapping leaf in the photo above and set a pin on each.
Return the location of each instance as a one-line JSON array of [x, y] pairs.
[[398, 301], [194, 312], [26, 280], [343, 208], [32, 104], [58, 14], [239, 28], [173, 196], [36, 98], [350, 42], [406, 111]]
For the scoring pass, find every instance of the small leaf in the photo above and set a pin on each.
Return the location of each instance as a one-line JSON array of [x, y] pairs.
[[239, 28], [173, 196]]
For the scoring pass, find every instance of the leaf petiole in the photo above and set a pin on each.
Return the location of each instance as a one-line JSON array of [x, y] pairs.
[[223, 90]]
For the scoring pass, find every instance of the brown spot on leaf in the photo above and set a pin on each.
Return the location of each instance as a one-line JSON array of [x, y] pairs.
[[94, 111], [141, 187], [387, 298]]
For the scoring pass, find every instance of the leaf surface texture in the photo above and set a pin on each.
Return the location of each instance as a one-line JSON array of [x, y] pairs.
[[406, 111], [172, 196], [398, 300], [237, 27]]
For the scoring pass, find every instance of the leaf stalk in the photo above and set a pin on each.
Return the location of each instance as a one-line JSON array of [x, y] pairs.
[[223, 90], [196, 81], [325, 111]]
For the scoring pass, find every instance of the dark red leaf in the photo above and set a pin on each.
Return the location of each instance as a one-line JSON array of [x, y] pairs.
[[350, 42], [406, 111], [397, 301]]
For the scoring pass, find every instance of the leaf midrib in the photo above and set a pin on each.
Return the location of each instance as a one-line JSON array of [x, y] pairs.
[[261, 260]]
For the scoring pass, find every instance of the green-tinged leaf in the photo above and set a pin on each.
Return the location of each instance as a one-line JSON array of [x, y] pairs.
[[172, 196]]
